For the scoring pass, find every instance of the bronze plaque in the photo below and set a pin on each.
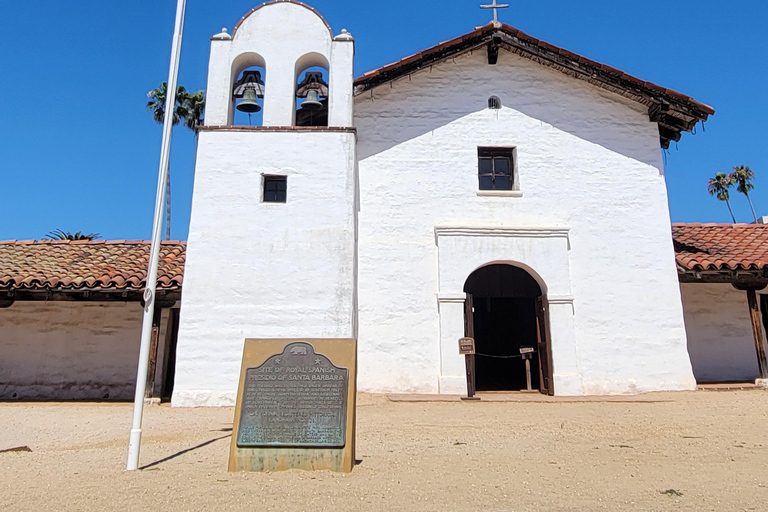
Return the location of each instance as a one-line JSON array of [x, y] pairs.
[[295, 399], [466, 346]]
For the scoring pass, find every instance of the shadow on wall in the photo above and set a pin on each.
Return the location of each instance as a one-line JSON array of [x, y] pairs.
[[534, 98]]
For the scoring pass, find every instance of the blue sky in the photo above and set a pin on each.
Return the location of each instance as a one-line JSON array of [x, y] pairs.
[[78, 150]]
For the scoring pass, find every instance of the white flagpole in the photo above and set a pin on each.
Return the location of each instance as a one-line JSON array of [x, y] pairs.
[[134, 444]]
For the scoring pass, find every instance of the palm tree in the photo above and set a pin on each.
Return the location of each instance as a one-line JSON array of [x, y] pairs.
[[156, 105], [743, 175], [58, 234], [189, 108], [718, 186], [193, 105]]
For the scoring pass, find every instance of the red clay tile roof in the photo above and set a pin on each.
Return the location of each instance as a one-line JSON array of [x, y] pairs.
[[120, 264], [62, 265], [673, 111], [721, 246]]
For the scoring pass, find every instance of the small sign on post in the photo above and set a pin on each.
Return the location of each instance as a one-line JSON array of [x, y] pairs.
[[467, 349], [467, 346], [527, 355]]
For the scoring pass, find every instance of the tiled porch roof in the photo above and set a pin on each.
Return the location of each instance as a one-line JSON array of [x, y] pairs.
[[721, 246], [72, 265]]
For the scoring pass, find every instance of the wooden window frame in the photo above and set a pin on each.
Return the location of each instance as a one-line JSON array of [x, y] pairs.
[[274, 196], [493, 154]]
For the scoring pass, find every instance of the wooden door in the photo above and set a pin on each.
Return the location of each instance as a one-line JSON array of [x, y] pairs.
[[469, 317], [545, 353]]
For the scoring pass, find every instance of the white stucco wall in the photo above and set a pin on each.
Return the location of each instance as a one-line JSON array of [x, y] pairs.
[[72, 350], [269, 270], [720, 339], [264, 270], [589, 165]]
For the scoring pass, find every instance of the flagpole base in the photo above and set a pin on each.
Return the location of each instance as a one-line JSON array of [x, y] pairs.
[[134, 444]]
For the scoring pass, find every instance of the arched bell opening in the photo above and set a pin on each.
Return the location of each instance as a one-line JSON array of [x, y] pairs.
[[312, 103], [249, 75], [509, 323]]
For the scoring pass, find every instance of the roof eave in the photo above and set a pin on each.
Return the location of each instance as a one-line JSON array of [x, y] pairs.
[[672, 111]]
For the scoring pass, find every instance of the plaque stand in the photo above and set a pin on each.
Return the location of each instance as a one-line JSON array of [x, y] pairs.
[[295, 406]]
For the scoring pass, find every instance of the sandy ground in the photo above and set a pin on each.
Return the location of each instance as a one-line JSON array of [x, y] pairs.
[[693, 451]]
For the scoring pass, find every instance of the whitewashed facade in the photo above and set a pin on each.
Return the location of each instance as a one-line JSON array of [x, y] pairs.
[[384, 222], [590, 219], [260, 269]]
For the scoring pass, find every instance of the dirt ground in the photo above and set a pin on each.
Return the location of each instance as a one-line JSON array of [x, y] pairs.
[[694, 451]]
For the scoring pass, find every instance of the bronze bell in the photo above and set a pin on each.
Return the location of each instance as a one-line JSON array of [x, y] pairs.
[[312, 102], [248, 103]]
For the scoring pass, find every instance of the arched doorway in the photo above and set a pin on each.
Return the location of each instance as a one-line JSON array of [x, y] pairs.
[[506, 312]]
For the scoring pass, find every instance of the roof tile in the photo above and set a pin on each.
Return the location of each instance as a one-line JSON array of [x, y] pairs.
[[44, 264], [721, 246], [61, 265]]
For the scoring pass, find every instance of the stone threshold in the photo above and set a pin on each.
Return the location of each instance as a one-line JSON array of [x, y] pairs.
[[728, 386], [524, 396]]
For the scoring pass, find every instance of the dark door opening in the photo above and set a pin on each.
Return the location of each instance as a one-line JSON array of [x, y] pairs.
[[508, 314], [502, 326], [169, 373]]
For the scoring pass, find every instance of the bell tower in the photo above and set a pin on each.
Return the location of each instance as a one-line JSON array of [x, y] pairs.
[[272, 239]]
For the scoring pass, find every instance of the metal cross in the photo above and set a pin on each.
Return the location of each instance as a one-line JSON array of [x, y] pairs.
[[495, 8]]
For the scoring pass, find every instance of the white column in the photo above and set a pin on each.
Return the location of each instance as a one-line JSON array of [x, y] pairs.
[[280, 97], [218, 94], [565, 359], [341, 79], [453, 377]]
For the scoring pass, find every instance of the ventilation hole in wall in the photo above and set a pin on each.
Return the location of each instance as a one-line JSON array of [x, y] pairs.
[[14, 395], [494, 102], [106, 396]]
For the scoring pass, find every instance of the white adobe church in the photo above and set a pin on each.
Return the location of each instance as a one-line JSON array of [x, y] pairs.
[[494, 185]]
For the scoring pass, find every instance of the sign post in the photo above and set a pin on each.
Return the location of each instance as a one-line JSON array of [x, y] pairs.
[[467, 348], [527, 355]]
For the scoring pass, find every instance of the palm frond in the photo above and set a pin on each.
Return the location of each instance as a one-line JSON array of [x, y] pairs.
[[719, 185], [743, 175], [58, 234]]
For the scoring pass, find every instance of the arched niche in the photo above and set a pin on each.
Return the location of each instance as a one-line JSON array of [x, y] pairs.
[[243, 63], [312, 63]]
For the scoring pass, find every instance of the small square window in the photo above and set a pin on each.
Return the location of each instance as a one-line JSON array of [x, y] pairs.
[[494, 168], [275, 188]]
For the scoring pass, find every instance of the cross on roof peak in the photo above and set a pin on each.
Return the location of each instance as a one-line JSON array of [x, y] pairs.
[[495, 8]]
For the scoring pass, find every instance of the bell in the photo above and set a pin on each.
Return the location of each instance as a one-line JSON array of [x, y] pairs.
[[248, 103], [312, 102]]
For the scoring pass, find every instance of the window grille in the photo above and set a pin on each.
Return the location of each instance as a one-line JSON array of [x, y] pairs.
[[275, 188], [495, 168]]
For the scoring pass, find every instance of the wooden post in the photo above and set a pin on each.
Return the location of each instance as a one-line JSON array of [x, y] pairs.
[[757, 332], [469, 359], [470, 364], [153, 353]]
